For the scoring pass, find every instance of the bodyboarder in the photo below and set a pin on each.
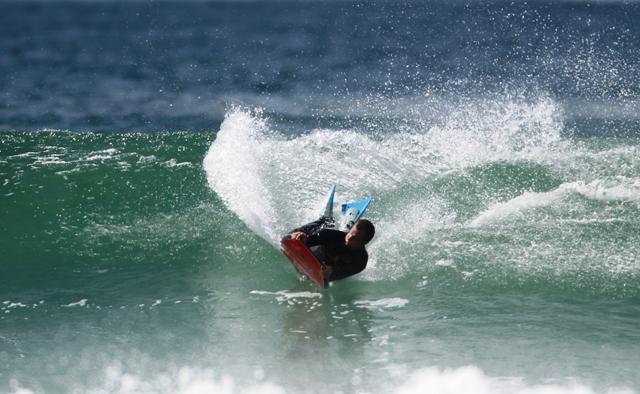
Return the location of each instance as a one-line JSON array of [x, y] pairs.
[[342, 253]]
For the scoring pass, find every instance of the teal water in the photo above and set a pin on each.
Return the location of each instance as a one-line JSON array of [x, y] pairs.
[[506, 258]]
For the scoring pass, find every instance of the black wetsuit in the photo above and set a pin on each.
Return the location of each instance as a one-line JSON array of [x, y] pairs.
[[328, 246]]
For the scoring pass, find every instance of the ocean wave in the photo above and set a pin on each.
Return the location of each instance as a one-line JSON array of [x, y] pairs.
[[494, 175]]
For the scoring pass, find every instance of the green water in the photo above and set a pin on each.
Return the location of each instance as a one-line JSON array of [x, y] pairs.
[[147, 263]]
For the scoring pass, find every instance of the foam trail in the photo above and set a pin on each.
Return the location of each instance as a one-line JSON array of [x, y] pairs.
[[283, 295], [524, 202], [383, 303]]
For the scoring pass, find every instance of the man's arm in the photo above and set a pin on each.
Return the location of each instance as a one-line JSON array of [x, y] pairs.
[[303, 233], [312, 234]]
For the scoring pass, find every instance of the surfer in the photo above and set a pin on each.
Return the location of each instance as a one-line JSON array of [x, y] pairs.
[[342, 253]]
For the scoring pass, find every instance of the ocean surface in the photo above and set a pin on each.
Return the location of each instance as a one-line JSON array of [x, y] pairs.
[[153, 153]]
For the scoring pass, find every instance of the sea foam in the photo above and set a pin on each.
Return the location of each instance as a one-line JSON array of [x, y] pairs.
[[383, 303], [620, 189], [472, 380], [430, 380]]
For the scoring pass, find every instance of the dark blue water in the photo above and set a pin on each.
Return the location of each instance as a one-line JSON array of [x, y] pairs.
[[153, 66]]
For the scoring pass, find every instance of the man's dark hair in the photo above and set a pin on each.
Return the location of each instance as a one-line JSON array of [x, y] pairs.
[[368, 229]]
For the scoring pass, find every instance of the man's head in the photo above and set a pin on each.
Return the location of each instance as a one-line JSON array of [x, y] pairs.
[[360, 234]]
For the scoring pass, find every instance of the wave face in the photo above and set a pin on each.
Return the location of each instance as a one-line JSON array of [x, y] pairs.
[[153, 153], [493, 193], [501, 241]]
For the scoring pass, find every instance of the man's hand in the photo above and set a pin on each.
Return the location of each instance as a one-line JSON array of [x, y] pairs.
[[299, 235]]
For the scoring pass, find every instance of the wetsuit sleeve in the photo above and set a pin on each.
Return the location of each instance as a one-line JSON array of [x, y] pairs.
[[309, 229], [326, 238]]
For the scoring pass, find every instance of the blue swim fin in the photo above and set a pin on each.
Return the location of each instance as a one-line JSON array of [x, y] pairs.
[[328, 209], [353, 211]]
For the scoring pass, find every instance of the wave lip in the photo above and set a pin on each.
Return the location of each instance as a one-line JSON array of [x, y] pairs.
[[622, 189], [516, 205]]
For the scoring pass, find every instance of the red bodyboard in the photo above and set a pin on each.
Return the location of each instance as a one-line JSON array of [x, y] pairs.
[[304, 261]]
